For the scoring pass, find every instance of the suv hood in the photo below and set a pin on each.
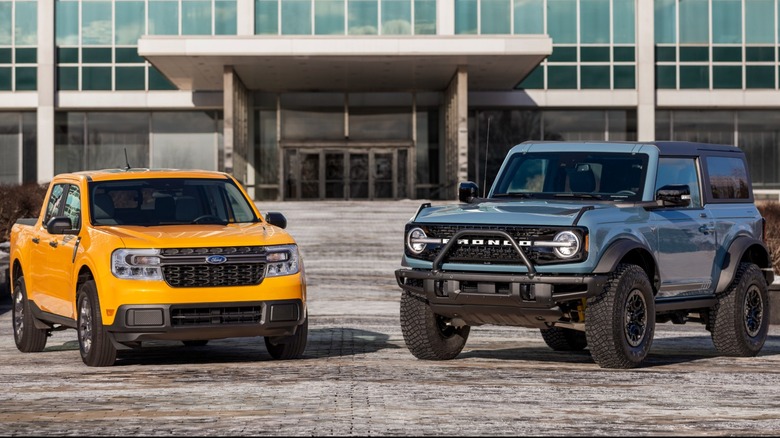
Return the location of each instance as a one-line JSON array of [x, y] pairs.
[[512, 212], [193, 236]]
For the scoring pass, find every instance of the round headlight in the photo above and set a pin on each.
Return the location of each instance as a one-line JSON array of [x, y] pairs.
[[572, 244], [412, 237]]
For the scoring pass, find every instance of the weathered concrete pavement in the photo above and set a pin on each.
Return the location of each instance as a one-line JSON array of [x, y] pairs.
[[357, 377]]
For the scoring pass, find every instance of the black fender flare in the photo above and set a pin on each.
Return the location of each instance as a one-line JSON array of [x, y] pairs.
[[739, 246], [618, 250]]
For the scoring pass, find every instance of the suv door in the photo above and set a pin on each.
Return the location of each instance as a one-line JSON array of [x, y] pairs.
[[686, 234]]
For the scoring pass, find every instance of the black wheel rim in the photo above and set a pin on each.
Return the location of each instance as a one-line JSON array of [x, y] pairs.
[[635, 318], [18, 315], [753, 311], [446, 330], [85, 325]]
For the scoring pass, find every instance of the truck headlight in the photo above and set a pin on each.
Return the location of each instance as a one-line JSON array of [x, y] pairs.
[[412, 240], [281, 260], [568, 244], [136, 264]]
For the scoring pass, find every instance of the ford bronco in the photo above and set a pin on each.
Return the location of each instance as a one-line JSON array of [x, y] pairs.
[[593, 243], [125, 256]]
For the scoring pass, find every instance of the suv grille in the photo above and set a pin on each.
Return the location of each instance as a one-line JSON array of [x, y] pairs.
[[188, 316], [494, 254], [187, 267]]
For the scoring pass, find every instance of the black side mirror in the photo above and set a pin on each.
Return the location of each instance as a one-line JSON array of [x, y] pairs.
[[60, 225], [276, 218], [674, 195], [467, 191]]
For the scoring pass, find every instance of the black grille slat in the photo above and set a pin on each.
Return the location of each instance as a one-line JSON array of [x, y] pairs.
[[188, 316], [187, 267]]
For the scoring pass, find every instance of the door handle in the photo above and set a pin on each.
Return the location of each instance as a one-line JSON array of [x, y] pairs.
[[35, 240], [53, 243]]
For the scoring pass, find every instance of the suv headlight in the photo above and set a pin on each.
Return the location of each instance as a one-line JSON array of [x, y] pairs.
[[136, 264], [281, 260], [568, 244], [412, 240]]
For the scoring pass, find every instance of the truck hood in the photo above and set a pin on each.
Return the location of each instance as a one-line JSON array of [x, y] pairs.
[[192, 236], [554, 213]]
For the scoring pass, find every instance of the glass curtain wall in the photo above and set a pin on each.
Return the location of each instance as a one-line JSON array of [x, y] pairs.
[[345, 17], [99, 140], [17, 147], [594, 41], [757, 132], [97, 40], [18, 45], [492, 133], [716, 44]]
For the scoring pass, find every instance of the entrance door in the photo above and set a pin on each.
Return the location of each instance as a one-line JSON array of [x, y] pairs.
[[378, 172]]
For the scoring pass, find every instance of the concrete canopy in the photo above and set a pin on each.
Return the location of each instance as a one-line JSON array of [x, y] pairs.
[[346, 63]]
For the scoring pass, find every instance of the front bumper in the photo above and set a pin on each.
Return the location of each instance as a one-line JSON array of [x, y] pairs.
[[141, 322], [527, 300]]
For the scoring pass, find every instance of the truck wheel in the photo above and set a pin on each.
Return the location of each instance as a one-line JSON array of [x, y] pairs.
[[740, 320], [29, 339], [620, 321], [289, 347], [563, 339], [427, 335], [94, 344]]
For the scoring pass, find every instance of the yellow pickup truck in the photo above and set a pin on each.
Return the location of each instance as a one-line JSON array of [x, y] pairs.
[[130, 255]]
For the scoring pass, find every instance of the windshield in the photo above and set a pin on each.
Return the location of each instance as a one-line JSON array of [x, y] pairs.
[[586, 175], [168, 201]]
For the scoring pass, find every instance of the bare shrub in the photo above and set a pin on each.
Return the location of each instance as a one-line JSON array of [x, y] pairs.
[[771, 212], [18, 201]]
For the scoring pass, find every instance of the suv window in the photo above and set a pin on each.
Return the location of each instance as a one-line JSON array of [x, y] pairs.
[[679, 171], [728, 178], [73, 207]]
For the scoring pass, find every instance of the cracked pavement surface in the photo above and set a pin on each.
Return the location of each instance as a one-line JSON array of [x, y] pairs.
[[358, 378]]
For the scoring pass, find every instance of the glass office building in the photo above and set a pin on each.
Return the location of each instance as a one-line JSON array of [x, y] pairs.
[[376, 99]]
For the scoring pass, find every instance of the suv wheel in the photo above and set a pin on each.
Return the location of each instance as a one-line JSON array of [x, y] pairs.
[[289, 347], [428, 335], [29, 339], [620, 321], [740, 320], [94, 344], [563, 339]]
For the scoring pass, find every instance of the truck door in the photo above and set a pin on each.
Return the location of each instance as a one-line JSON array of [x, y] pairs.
[[686, 235]]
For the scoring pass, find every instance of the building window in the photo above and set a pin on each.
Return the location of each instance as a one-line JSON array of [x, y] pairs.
[[18, 41], [18, 147]]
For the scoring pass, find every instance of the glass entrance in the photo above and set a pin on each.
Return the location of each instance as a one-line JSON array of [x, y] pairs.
[[346, 173]]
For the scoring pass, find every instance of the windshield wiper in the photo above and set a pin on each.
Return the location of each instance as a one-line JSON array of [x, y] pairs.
[[578, 195], [514, 195]]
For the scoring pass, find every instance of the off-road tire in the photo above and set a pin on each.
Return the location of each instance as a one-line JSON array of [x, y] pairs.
[[94, 343], [289, 347], [740, 320], [427, 334], [563, 339], [620, 321], [28, 338]]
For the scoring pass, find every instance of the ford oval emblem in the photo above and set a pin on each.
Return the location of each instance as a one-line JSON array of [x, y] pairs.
[[216, 259]]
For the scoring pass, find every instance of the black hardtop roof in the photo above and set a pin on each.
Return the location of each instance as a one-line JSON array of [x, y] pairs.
[[689, 148]]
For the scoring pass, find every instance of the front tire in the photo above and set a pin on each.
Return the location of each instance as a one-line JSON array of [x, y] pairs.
[[563, 339], [620, 321], [94, 344], [28, 338], [740, 320], [427, 335], [289, 347]]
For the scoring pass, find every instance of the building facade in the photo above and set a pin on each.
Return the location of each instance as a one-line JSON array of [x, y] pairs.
[[376, 99]]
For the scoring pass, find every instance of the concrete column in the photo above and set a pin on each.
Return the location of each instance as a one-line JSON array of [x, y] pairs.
[[46, 92], [456, 141], [645, 86], [445, 17], [246, 17], [236, 124]]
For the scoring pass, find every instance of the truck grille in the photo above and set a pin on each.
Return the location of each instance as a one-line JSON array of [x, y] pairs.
[[188, 316], [493, 254], [188, 267]]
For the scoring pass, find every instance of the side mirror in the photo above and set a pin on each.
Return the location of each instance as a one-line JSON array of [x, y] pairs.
[[276, 218], [674, 195], [467, 191], [60, 225]]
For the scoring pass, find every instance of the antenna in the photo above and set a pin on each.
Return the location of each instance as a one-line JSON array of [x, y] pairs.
[[487, 148], [127, 162]]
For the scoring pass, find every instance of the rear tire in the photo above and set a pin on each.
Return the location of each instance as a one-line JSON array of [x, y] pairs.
[[427, 335], [94, 343], [620, 321], [563, 339], [28, 338], [740, 320], [289, 347]]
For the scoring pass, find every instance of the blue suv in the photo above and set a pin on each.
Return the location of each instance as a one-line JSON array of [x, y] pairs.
[[593, 243]]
